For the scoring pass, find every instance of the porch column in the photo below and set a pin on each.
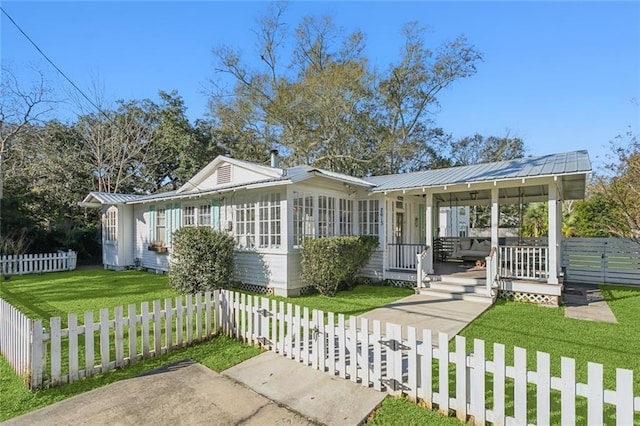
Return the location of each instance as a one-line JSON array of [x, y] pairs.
[[554, 227], [429, 231], [495, 216]]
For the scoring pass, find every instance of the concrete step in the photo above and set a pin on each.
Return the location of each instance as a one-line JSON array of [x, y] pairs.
[[444, 294], [458, 287], [455, 280]]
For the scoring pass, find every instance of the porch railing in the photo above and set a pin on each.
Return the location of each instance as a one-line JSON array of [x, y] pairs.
[[491, 266], [402, 257], [423, 266], [524, 262]]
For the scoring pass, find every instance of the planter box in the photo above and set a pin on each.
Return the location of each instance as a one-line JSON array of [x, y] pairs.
[[157, 249]]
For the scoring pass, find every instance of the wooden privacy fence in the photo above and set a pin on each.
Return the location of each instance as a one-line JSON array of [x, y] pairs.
[[601, 261], [20, 264], [386, 357]]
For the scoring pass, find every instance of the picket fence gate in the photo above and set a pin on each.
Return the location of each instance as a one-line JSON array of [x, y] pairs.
[[21, 264], [386, 357], [15, 338]]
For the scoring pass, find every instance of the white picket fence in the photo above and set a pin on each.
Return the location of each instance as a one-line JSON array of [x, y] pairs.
[[15, 338], [386, 357], [21, 264]]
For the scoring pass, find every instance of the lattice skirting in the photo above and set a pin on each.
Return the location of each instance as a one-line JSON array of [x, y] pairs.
[[254, 288], [401, 283], [518, 296]]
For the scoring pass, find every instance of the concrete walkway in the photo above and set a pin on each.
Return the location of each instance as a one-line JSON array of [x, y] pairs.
[[316, 395], [585, 302], [186, 393], [428, 312]]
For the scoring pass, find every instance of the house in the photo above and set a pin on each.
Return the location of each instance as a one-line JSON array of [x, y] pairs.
[[270, 210]]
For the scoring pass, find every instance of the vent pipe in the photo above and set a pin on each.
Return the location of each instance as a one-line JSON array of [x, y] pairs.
[[274, 158]]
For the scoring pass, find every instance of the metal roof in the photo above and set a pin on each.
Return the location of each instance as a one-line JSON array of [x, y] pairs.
[[299, 173], [109, 198], [547, 165]]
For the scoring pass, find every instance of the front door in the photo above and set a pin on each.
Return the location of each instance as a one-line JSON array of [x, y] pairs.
[[399, 228]]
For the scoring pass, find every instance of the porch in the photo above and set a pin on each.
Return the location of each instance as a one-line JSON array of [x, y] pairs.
[[517, 271], [526, 260]]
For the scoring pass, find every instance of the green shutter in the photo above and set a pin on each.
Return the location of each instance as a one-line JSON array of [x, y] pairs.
[[177, 216], [215, 214], [152, 224], [168, 226]]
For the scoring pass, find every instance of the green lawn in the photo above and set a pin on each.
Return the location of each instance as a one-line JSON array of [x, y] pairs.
[[543, 329], [361, 299], [62, 293], [537, 328]]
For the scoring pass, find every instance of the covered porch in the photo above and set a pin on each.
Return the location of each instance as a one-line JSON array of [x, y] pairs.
[[511, 265]]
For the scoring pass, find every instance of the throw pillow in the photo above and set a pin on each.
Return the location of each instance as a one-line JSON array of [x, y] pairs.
[[465, 244]]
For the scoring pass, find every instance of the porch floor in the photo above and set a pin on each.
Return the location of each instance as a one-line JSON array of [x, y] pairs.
[[459, 269]]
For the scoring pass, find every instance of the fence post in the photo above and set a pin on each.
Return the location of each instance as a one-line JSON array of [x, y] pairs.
[[37, 354]]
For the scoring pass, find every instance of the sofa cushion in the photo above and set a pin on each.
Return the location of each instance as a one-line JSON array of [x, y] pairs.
[[465, 244]]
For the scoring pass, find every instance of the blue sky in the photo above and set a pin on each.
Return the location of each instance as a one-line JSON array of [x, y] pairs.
[[561, 75]]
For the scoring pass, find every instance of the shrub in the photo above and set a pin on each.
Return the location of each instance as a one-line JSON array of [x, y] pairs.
[[201, 260], [328, 263]]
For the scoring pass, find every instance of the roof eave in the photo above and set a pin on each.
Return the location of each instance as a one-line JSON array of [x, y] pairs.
[[412, 188]]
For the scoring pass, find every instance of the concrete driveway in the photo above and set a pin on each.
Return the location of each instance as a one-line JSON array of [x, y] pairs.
[[185, 393]]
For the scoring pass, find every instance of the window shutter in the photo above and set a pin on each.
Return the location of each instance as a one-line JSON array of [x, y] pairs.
[[215, 214], [152, 223], [422, 222], [168, 224], [177, 216]]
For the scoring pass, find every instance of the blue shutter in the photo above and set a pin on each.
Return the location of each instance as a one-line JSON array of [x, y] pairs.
[[152, 224], [215, 214]]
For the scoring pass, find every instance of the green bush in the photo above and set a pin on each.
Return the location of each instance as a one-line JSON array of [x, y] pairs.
[[201, 260], [329, 263]]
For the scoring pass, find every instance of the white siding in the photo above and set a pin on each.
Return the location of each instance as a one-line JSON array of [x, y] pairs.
[[150, 259], [374, 268], [293, 271], [264, 269]]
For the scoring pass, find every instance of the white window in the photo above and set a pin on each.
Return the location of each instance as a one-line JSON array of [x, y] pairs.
[[204, 215], [269, 214], [189, 216], [303, 222], [346, 217], [326, 216], [245, 228], [161, 227], [110, 223], [369, 217]]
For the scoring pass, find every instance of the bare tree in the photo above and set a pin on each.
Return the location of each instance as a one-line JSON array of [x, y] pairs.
[[21, 107], [117, 143]]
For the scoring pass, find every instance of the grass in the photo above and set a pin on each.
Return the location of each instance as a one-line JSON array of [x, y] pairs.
[[361, 299], [400, 411], [548, 330], [544, 329], [218, 354], [61, 293]]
